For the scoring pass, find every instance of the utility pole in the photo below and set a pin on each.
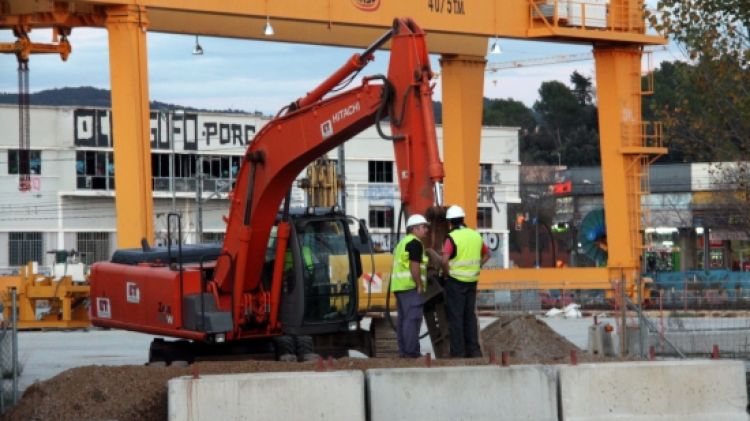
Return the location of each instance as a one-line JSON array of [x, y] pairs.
[[537, 198], [199, 200], [536, 237], [341, 170], [170, 138]]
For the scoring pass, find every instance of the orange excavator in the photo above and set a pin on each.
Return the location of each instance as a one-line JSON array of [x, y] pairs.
[[284, 280]]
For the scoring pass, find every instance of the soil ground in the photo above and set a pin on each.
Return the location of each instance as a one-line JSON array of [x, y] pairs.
[[139, 393]]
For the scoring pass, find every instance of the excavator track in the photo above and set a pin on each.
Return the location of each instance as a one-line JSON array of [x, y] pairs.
[[386, 341]]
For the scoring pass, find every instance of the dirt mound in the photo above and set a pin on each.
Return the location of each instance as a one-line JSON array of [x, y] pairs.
[[527, 340], [530, 341]]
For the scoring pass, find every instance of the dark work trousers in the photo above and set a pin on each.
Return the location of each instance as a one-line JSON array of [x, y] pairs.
[[461, 299], [409, 322]]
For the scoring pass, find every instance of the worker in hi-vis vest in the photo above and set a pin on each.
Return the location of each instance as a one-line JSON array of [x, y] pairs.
[[408, 282], [464, 253]]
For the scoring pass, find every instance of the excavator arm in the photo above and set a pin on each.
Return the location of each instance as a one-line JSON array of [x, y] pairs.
[[312, 126], [165, 293]]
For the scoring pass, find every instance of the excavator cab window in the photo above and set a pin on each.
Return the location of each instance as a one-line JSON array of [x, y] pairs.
[[326, 254], [267, 273]]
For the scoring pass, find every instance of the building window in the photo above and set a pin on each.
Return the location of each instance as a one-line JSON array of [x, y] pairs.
[[24, 247], [93, 246], [95, 170], [24, 162], [161, 171], [485, 173], [212, 237], [160, 165], [380, 172], [381, 216], [484, 217]]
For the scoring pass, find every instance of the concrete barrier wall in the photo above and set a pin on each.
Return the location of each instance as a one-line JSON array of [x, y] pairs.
[[463, 393], [692, 390], [329, 396]]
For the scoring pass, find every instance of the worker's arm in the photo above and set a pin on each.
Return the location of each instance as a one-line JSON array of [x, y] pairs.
[[416, 251], [416, 274], [448, 250], [485, 254]]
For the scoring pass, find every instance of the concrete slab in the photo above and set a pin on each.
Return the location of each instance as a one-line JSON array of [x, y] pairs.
[[691, 390], [329, 396], [463, 393]]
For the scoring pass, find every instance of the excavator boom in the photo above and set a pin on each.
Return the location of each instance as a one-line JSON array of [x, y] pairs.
[[235, 278]]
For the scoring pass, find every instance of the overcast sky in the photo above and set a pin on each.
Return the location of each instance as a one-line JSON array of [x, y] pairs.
[[261, 75]]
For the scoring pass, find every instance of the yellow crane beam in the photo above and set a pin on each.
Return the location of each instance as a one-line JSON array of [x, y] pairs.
[[356, 22], [545, 278]]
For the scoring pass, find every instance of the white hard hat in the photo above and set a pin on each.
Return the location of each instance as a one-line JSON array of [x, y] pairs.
[[415, 220], [454, 212]]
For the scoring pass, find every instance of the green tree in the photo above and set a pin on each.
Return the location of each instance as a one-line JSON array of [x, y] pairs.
[[508, 112], [707, 108], [706, 28], [568, 128], [582, 88]]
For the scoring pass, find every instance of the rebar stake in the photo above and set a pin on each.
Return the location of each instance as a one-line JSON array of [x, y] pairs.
[[320, 366], [196, 374]]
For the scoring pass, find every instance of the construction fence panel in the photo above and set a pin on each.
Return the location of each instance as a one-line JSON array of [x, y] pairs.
[[698, 323], [522, 297]]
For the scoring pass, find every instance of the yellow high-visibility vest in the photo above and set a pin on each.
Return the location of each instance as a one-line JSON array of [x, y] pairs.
[[465, 265], [401, 279]]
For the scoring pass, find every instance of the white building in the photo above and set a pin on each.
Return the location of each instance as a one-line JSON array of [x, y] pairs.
[[70, 201]]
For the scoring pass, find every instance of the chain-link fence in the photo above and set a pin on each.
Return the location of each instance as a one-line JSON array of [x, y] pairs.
[[10, 369], [522, 297], [694, 323]]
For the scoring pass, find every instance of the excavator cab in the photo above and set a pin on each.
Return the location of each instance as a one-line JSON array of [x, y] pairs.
[[321, 269]]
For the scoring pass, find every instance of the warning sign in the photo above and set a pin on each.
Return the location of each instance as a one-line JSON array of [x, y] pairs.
[[132, 292], [103, 308], [373, 282]]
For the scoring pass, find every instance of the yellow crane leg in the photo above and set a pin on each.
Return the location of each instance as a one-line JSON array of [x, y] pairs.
[[618, 74], [544, 278], [126, 27], [463, 85]]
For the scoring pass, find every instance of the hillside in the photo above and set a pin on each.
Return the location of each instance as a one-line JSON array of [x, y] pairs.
[[87, 96]]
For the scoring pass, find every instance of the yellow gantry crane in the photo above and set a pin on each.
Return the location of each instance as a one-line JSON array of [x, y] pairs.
[[458, 30]]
